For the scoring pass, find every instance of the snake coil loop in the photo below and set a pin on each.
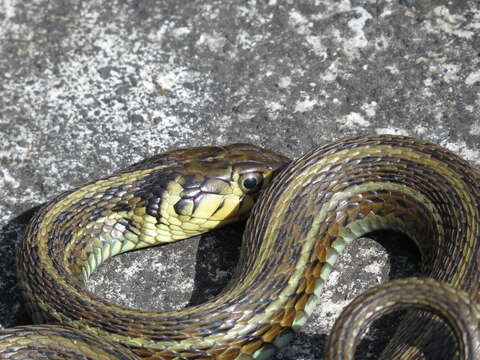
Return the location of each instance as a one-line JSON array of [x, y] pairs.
[[453, 306]]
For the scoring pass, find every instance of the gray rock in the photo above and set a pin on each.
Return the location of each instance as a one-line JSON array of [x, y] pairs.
[[89, 87]]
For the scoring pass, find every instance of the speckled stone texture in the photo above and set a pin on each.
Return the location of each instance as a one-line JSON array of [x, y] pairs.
[[89, 87]]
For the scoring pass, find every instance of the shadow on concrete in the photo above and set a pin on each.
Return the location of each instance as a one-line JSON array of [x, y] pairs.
[[11, 301], [211, 277]]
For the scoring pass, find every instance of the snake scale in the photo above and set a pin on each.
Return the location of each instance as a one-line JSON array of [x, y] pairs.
[[308, 211]]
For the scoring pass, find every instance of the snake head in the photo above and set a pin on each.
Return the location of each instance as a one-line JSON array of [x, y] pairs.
[[219, 185]]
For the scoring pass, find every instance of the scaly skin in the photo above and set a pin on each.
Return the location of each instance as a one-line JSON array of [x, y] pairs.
[[454, 306], [59, 342], [315, 207]]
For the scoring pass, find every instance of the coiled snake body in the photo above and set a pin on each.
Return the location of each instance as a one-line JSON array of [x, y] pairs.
[[313, 208]]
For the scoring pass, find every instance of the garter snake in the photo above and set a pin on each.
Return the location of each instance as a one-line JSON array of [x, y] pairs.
[[310, 211]]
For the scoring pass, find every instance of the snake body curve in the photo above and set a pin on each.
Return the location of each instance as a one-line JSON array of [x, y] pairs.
[[311, 210], [454, 306]]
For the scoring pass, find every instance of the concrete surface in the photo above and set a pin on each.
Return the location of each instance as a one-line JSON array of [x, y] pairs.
[[89, 87]]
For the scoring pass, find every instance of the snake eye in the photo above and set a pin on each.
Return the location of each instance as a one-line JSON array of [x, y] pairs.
[[250, 182]]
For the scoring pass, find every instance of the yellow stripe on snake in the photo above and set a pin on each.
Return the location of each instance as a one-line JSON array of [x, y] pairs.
[[304, 218]]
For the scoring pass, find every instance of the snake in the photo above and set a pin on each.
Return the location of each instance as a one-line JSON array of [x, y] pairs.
[[303, 214]]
